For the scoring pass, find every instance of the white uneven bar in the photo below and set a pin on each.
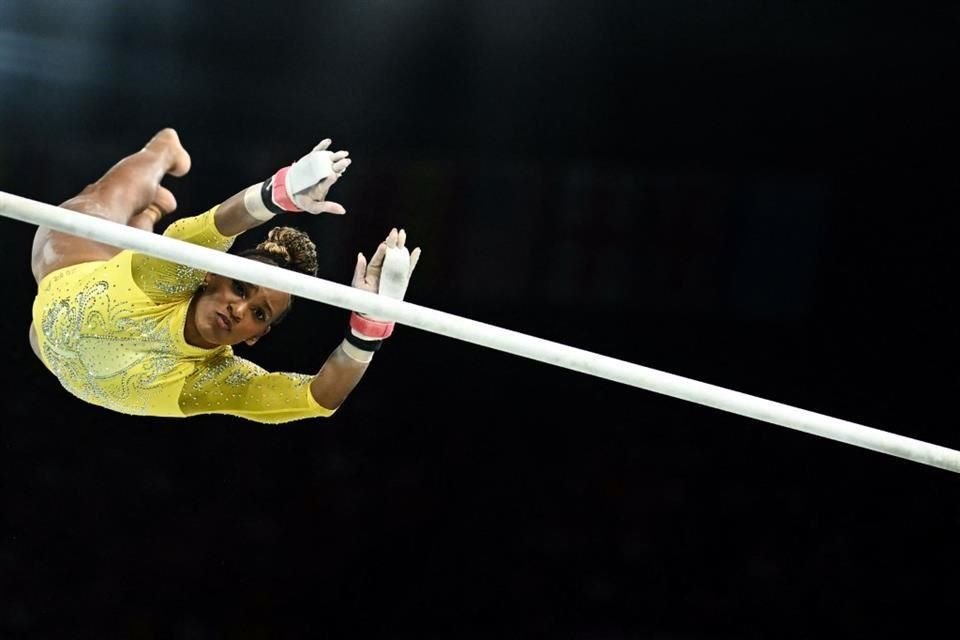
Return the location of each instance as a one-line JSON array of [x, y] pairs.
[[486, 335]]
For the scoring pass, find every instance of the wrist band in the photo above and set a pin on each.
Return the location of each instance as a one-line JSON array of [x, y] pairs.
[[266, 196], [253, 201], [360, 343], [274, 195], [279, 192], [358, 355], [371, 328]]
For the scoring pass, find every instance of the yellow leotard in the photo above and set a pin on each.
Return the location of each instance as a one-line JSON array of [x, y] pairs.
[[112, 333]]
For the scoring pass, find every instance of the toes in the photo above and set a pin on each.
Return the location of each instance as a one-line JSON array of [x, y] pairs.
[[164, 201]]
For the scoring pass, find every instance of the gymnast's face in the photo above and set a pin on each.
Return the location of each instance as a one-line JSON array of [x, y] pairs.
[[228, 311]]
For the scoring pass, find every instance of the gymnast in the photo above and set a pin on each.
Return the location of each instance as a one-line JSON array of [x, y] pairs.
[[144, 336]]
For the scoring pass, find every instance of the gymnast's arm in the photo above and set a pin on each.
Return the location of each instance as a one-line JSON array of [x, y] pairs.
[[388, 274], [302, 186], [338, 377]]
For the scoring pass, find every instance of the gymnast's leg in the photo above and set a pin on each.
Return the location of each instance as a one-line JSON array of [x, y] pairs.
[[128, 193]]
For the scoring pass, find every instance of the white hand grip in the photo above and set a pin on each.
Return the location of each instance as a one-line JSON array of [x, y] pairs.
[[309, 171], [395, 274]]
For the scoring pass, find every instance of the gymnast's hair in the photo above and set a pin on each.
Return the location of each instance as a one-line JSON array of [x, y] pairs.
[[288, 248]]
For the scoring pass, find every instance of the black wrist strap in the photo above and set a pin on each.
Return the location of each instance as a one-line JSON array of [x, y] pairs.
[[364, 345], [266, 195]]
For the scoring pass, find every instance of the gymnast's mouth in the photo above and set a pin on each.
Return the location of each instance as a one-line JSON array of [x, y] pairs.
[[223, 321]]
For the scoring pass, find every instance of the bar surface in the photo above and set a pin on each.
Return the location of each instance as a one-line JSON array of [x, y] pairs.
[[486, 335]]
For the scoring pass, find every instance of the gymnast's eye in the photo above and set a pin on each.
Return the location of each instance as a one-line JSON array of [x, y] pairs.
[[260, 315], [239, 288]]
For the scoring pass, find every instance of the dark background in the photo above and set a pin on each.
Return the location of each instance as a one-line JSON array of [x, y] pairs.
[[759, 195]]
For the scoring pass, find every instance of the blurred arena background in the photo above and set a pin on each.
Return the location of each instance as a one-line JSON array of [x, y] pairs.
[[759, 195]]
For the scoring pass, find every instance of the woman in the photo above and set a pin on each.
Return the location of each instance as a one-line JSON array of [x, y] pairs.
[[144, 336]]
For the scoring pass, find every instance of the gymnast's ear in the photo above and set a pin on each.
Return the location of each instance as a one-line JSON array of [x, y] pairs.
[[252, 341]]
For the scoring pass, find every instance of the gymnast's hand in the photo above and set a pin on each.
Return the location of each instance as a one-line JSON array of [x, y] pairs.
[[303, 186], [389, 270]]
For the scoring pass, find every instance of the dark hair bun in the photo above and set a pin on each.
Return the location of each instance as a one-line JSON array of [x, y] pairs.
[[291, 249]]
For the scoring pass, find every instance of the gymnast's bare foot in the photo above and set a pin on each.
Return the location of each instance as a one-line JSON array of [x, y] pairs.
[[163, 204], [167, 142]]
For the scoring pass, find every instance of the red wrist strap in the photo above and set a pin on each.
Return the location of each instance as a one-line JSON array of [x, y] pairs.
[[280, 196], [370, 328]]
